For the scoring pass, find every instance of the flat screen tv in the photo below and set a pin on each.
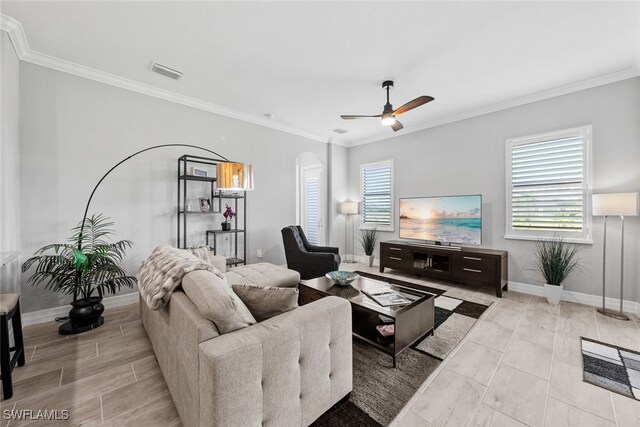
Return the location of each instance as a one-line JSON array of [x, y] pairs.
[[443, 219]]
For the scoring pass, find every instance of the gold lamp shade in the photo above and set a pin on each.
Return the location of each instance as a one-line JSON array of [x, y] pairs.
[[234, 176]]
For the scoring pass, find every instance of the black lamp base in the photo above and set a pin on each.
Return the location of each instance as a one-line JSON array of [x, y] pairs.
[[71, 329], [615, 314]]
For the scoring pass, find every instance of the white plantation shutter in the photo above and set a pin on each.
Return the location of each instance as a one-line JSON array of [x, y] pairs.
[[312, 209], [549, 184], [377, 194]]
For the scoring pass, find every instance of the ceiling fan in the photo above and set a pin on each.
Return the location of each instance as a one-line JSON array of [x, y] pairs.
[[388, 113]]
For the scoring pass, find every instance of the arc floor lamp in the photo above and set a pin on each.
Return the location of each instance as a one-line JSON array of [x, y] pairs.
[[232, 176], [620, 205]]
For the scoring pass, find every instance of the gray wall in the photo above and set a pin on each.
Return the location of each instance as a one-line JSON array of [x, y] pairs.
[[468, 157], [9, 147], [339, 193], [73, 130], [9, 158]]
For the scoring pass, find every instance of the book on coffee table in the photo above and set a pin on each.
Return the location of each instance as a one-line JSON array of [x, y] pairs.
[[387, 297], [386, 330]]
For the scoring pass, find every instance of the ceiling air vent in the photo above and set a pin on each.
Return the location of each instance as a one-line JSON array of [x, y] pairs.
[[166, 71], [340, 131]]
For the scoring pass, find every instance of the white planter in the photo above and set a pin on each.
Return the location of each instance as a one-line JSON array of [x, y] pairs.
[[370, 259], [553, 293]]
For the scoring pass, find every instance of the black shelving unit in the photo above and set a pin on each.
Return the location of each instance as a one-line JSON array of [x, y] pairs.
[[238, 201]]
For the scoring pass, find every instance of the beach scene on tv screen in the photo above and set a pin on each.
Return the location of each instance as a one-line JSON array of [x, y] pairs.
[[452, 219]]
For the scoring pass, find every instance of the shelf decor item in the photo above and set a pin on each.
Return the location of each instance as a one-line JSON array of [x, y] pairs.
[[195, 171], [205, 205], [555, 259], [368, 239], [85, 266], [228, 215], [342, 278], [620, 205]]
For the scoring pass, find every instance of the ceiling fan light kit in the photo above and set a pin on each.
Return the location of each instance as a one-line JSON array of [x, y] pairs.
[[388, 119], [388, 116]]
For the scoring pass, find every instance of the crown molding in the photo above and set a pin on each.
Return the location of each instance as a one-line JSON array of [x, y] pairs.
[[540, 96], [16, 34], [21, 45], [19, 40]]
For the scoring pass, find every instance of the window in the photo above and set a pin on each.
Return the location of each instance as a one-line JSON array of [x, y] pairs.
[[549, 185], [377, 195], [311, 214], [312, 205]]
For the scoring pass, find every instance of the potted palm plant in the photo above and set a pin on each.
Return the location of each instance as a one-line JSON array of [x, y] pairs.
[[85, 267], [555, 259], [368, 239]]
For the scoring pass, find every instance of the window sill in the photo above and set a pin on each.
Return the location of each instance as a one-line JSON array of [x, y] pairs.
[[548, 238], [386, 228]]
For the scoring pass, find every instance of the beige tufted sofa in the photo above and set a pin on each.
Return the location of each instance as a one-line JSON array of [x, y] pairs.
[[285, 371]]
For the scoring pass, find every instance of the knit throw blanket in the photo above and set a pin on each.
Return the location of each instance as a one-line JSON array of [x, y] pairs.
[[163, 271]]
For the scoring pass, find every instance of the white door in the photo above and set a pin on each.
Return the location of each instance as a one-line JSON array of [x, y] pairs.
[[312, 206]]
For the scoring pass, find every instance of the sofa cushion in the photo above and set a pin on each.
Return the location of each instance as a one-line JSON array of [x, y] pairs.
[[263, 274], [206, 254], [265, 302], [216, 301]]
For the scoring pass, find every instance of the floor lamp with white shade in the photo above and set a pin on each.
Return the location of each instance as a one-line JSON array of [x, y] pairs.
[[620, 205], [349, 209]]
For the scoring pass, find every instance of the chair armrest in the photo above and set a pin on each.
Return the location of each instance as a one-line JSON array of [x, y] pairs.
[[325, 249], [289, 368]]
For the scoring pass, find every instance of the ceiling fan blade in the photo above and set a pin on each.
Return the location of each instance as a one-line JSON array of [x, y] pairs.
[[396, 126], [413, 104], [351, 116]]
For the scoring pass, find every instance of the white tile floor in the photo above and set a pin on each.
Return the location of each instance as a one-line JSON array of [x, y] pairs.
[[521, 365]]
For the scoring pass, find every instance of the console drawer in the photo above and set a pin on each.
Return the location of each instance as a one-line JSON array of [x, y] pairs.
[[396, 251], [473, 262], [393, 260], [477, 274]]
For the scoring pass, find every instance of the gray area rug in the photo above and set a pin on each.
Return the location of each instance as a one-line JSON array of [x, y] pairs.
[[379, 390], [611, 367]]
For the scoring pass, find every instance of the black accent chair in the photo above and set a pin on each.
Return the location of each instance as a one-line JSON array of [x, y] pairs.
[[309, 260]]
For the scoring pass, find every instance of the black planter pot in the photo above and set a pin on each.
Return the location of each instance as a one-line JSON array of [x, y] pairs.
[[226, 226], [85, 315]]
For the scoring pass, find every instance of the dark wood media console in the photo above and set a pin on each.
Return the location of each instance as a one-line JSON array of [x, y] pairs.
[[474, 266]]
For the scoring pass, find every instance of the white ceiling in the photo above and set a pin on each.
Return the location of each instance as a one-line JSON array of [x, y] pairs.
[[307, 63]]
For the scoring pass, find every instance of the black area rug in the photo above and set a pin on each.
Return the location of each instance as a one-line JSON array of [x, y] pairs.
[[381, 391], [611, 367]]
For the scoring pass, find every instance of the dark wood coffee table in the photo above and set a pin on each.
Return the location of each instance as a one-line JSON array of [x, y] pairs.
[[412, 321]]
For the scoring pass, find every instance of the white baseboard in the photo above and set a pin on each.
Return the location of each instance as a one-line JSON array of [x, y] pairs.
[[43, 316], [579, 297], [363, 259]]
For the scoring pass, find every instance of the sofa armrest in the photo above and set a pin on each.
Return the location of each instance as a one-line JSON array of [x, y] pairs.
[[286, 370]]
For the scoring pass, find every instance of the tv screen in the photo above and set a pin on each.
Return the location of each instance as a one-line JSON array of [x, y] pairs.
[[451, 219]]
